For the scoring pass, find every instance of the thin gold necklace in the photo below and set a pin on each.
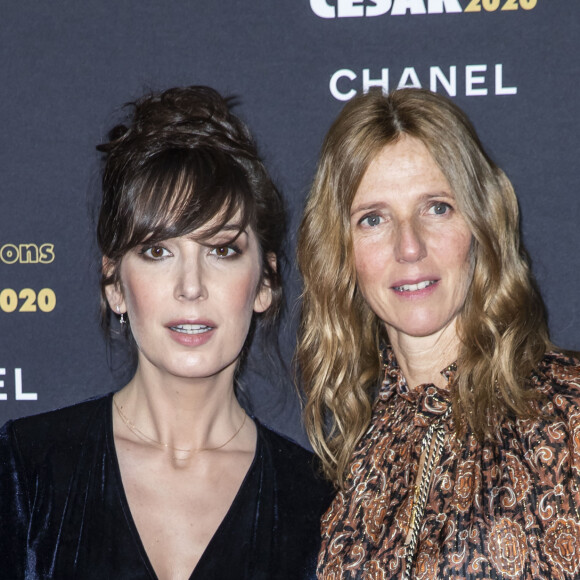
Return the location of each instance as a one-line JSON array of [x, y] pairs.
[[134, 429]]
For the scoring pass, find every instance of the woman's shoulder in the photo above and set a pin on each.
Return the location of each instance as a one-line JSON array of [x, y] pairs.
[[557, 380], [282, 444], [558, 374], [563, 365], [62, 428], [293, 463], [285, 452]]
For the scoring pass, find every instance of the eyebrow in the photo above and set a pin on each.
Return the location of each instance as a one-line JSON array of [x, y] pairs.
[[381, 204], [229, 227], [369, 207], [232, 227]]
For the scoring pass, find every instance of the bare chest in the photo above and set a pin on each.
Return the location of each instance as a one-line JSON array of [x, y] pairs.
[[177, 510]]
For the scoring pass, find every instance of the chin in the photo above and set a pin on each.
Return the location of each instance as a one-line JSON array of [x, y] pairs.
[[192, 374], [420, 328], [203, 369]]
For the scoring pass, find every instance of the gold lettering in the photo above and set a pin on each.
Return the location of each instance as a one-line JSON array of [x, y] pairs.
[[28, 253], [9, 254], [46, 253]]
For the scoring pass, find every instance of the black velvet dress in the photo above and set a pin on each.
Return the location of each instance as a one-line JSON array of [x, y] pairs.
[[64, 514]]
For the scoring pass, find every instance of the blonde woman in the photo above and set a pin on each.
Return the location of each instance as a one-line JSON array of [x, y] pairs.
[[435, 399]]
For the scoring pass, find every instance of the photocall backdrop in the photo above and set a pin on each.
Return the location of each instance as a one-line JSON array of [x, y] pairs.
[[67, 67]]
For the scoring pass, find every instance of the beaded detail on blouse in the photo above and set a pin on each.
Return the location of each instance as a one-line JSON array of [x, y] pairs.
[[507, 508]]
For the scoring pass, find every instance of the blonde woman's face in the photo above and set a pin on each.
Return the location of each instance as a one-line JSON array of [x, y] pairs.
[[411, 243]]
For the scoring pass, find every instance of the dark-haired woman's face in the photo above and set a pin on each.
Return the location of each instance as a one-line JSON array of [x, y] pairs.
[[190, 300]]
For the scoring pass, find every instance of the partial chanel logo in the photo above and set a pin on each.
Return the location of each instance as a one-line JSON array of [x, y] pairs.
[[19, 393]]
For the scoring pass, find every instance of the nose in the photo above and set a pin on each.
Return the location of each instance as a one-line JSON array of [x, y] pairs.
[[410, 245], [189, 280]]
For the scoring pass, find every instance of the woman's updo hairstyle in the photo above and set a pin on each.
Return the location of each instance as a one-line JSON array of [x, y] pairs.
[[180, 161]]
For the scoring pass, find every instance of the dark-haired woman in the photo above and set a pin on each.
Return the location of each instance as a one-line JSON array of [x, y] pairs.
[[169, 478], [438, 404]]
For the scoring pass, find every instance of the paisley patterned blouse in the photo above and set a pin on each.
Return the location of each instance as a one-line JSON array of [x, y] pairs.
[[504, 509]]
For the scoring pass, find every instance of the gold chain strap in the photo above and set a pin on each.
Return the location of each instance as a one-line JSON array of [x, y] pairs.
[[436, 431]]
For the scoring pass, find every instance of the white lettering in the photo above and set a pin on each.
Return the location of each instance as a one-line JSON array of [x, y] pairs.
[[3, 396], [400, 7], [449, 84], [20, 394], [322, 9], [439, 80], [350, 9], [381, 7], [409, 74], [471, 79], [360, 8], [382, 82], [338, 95], [499, 88], [438, 6]]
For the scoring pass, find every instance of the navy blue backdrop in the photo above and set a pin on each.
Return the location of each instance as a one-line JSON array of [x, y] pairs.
[[67, 67]]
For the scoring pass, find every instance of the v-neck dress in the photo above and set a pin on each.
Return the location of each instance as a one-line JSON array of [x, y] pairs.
[[64, 513]]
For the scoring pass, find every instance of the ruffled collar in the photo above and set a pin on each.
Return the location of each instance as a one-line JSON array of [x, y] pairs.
[[430, 401]]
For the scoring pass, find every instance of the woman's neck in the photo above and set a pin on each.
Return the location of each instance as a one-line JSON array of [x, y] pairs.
[[421, 359], [184, 414]]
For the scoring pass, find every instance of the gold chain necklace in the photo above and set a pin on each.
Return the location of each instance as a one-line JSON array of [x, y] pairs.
[[432, 444], [135, 430]]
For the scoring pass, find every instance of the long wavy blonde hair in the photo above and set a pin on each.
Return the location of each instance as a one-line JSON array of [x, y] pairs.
[[502, 325]]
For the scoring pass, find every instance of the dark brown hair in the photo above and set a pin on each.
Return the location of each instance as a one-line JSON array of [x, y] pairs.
[[180, 160]]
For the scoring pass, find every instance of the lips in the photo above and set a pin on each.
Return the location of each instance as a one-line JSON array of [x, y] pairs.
[[191, 328], [414, 287], [191, 332]]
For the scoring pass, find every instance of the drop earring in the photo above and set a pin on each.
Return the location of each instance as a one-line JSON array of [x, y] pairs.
[[122, 320]]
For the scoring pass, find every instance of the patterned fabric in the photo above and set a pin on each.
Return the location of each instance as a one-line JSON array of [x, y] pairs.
[[508, 508]]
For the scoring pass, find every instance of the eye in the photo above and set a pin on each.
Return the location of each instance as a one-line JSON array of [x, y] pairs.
[[155, 252], [225, 251], [371, 220], [440, 208]]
